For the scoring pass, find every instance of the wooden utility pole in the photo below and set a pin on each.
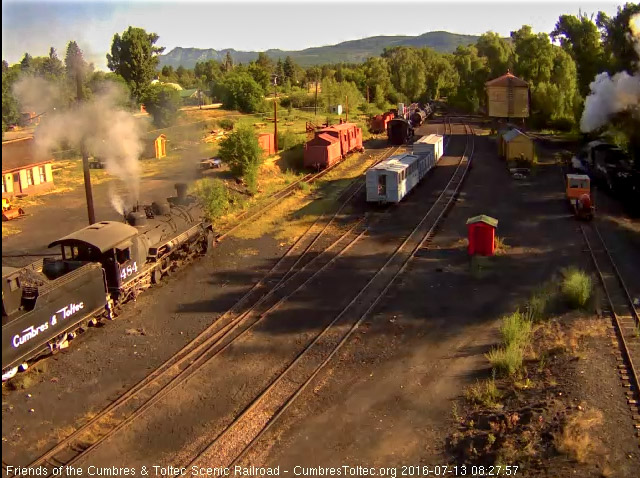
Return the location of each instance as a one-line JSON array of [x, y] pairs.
[[316, 107], [85, 156], [275, 115], [347, 109]]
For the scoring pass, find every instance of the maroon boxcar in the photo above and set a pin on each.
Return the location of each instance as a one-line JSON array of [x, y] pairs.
[[379, 122], [332, 144], [322, 151]]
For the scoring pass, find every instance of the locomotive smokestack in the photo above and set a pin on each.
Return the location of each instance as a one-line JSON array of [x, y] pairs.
[[181, 189]]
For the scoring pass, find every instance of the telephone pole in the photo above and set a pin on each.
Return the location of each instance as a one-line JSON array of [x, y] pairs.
[[85, 155], [275, 114], [316, 106], [347, 109]]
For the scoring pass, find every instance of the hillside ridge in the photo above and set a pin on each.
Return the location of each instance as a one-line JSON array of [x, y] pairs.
[[351, 51]]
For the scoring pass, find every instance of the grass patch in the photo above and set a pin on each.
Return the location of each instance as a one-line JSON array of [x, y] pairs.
[[304, 187], [485, 393], [515, 330], [576, 287], [575, 439], [9, 229], [506, 360], [501, 246], [538, 305]]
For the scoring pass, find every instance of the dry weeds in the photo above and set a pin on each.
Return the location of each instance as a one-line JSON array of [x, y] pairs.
[[575, 439]]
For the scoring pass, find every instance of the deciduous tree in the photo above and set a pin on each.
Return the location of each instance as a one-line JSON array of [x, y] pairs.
[[407, 71], [134, 56], [239, 91], [619, 51], [498, 52], [163, 104], [580, 38]]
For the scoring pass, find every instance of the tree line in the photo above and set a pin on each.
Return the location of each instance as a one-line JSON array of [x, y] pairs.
[[559, 67]]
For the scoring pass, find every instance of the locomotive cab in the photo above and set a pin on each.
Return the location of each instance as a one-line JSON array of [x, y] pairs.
[[108, 242]]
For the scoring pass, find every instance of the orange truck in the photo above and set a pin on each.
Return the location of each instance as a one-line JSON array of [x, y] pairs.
[[579, 195]]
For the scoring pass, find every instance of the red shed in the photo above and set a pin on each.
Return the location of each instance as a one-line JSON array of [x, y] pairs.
[[482, 235], [267, 143]]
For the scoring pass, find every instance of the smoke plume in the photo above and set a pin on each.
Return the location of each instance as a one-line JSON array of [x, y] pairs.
[[99, 125], [611, 95]]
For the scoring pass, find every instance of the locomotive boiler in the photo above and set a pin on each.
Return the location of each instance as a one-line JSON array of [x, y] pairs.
[[101, 267]]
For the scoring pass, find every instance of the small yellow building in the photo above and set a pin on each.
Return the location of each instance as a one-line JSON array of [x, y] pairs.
[[311, 87], [24, 169], [155, 146], [513, 145], [507, 97]]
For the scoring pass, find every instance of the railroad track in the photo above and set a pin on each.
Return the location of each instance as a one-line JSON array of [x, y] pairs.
[[231, 444], [308, 179], [291, 273], [624, 315], [277, 197]]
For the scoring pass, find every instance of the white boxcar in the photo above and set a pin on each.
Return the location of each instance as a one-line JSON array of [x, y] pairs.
[[394, 178], [433, 143]]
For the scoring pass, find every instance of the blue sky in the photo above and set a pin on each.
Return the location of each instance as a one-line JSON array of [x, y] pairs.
[[34, 26]]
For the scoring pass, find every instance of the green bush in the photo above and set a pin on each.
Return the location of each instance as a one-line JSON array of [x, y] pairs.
[[239, 91], [288, 139], [506, 360], [576, 287], [515, 330], [214, 196], [537, 306], [227, 124], [243, 154], [299, 99], [163, 104]]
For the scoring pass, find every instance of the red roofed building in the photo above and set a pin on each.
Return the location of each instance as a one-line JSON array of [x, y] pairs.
[[24, 169]]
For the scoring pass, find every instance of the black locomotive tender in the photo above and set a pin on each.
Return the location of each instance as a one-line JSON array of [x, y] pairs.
[[102, 266], [399, 131]]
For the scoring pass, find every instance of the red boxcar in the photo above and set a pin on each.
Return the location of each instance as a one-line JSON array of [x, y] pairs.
[[379, 122], [322, 151], [332, 144], [267, 143]]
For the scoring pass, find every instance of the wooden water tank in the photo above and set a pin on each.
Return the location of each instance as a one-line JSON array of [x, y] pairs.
[[508, 97]]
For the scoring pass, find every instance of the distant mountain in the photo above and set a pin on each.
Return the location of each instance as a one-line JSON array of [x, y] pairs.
[[354, 51]]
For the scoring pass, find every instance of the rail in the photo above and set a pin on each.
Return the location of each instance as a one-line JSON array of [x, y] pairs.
[[245, 424], [212, 340], [621, 308]]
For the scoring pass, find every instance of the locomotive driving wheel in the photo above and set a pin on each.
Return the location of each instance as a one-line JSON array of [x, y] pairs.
[[156, 275], [208, 244]]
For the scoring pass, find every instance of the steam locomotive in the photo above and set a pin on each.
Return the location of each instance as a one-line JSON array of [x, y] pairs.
[[102, 266], [399, 131]]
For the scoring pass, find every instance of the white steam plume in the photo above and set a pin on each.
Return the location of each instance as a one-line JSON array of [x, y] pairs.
[[105, 129], [116, 200], [611, 95]]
